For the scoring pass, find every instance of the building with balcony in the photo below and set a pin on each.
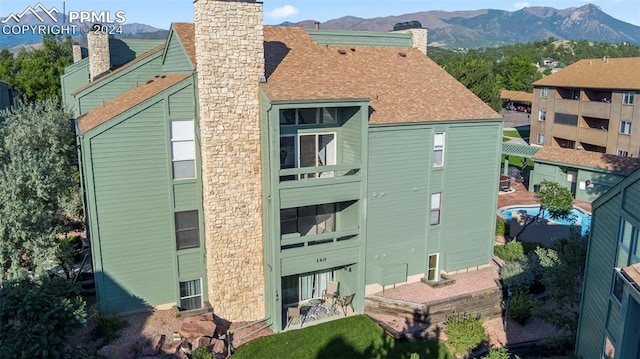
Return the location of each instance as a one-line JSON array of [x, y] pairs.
[[610, 307], [244, 166], [590, 105]]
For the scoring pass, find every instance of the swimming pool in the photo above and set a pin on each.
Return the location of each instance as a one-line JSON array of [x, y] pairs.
[[577, 216]]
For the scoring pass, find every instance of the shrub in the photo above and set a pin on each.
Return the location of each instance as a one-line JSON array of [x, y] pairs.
[[464, 332], [510, 252], [37, 316], [517, 276], [501, 226], [499, 353], [107, 326], [520, 307], [81, 352], [202, 353]]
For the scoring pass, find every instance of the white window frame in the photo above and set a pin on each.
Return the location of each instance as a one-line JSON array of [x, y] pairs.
[[544, 92], [540, 138], [438, 148], [186, 141], [436, 207], [435, 270], [622, 153], [331, 161], [625, 128], [542, 115], [628, 97], [191, 296]]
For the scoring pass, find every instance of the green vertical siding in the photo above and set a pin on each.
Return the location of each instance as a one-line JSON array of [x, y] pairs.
[[469, 195], [350, 136], [596, 292], [131, 194], [175, 57], [631, 200], [122, 51], [182, 104], [401, 179], [397, 200], [118, 83], [75, 76]]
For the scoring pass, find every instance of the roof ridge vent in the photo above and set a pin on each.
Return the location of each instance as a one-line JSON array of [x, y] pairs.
[[402, 54], [342, 52]]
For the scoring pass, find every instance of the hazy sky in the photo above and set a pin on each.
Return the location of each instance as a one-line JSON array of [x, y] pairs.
[[160, 13]]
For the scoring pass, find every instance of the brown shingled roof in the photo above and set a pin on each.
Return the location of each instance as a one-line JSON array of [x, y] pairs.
[[402, 84], [186, 33], [519, 96], [121, 68], [589, 159], [613, 73], [128, 100]]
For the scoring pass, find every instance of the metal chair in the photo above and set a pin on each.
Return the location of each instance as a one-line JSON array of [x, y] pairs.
[[346, 302], [331, 292]]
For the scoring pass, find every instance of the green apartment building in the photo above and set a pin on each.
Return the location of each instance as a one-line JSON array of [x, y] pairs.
[[244, 166], [609, 324]]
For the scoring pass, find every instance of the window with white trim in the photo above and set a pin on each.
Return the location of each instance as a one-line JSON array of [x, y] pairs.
[[625, 127], [627, 97], [183, 149], [187, 230], [544, 92], [432, 267], [542, 115], [617, 287], [436, 206], [540, 139], [438, 149], [191, 294], [622, 153]]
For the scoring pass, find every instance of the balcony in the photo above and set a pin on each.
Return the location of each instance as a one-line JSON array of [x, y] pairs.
[[567, 106], [565, 131], [593, 136], [315, 173], [596, 109], [320, 185], [294, 240]]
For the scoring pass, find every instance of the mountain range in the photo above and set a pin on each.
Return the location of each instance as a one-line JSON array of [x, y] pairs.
[[456, 29], [489, 28]]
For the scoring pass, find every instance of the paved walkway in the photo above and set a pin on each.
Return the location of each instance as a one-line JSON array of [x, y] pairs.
[[521, 196]]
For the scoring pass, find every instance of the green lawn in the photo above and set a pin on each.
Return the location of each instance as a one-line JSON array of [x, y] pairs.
[[353, 337], [516, 133]]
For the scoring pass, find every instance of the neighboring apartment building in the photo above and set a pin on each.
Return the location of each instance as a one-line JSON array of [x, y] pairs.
[[590, 105], [609, 325], [245, 166], [8, 96]]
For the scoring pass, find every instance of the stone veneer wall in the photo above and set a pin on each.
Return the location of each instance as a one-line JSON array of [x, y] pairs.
[[419, 38], [77, 53], [230, 61], [99, 61]]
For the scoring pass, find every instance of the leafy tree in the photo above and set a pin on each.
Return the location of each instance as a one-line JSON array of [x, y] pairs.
[[476, 73], [36, 73], [518, 73], [562, 274], [37, 317], [37, 157], [554, 199]]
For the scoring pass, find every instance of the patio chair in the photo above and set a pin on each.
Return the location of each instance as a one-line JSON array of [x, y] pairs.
[[331, 292], [346, 302]]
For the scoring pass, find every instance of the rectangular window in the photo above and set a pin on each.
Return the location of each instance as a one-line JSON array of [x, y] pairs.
[[622, 153], [625, 127], [183, 149], [542, 115], [574, 94], [628, 249], [308, 220], [308, 150], [308, 116], [565, 119], [627, 97], [305, 286], [187, 230], [436, 205], [540, 139], [432, 268], [617, 288], [544, 92], [438, 149], [191, 294]]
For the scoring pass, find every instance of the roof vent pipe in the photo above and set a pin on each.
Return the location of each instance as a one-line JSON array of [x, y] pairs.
[[317, 25]]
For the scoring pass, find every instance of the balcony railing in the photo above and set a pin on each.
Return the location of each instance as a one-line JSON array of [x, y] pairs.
[[314, 173], [294, 240], [596, 109]]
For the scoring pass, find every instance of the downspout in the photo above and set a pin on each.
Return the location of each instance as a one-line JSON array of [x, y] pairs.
[[79, 137]]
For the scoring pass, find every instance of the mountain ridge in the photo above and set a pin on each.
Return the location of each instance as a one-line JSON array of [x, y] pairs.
[[490, 27]]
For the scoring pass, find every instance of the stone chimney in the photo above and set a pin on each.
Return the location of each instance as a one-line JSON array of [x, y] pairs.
[[230, 62], [77, 52], [419, 38], [99, 61]]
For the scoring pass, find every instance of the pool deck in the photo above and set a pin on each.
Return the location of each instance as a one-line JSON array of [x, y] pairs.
[[521, 196]]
